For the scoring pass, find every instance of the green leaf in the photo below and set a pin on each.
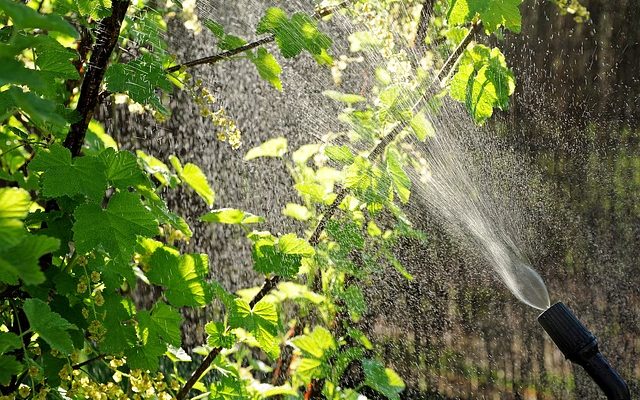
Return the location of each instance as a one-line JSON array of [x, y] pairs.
[[14, 207], [483, 82], [492, 13], [268, 67], [96, 9], [276, 147], [9, 367], [62, 176], [22, 260], [122, 169], [24, 17], [54, 59], [166, 322], [347, 98], [158, 169], [296, 291], [49, 325], [115, 228], [318, 344], [231, 216], [383, 380], [269, 259], [341, 154], [421, 126], [120, 333], [291, 244], [9, 341], [399, 178], [225, 41], [297, 211], [283, 257], [355, 302], [261, 321], [218, 336], [296, 34], [12, 71], [309, 368], [193, 176], [160, 211], [315, 191], [182, 275], [347, 234], [267, 390], [146, 356], [358, 174], [43, 112], [139, 79]]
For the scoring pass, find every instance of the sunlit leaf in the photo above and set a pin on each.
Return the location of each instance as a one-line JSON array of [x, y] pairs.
[[276, 147]]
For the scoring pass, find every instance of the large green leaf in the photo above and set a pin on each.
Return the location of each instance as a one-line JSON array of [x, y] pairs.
[[9, 341], [25, 17], [295, 34], [139, 79], [62, 176], [162, 321], [9, 367], [122, 169], [22, 260], [492, 13], [43, 112], [261, 321], [282, 257], [318, 344], [54, 59], [218, 335], [483, 82], [118, 316], [49, 325], [347, 234], [383, 380], [182, 275], [115, 228]]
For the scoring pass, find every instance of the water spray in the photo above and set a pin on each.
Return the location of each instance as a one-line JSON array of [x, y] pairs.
[[581, 347]]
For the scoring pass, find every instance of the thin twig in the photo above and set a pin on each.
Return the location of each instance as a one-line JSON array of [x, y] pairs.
[[195, 376], [225, 55]]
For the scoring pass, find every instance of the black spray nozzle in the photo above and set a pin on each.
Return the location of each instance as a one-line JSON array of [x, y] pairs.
[[581, 347]]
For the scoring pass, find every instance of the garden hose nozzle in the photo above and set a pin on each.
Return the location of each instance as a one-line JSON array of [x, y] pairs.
[[581, 347]]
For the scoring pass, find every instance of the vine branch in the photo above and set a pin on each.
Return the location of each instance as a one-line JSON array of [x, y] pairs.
[[272, 282], [315, 386], [108, 30], [225, 55]]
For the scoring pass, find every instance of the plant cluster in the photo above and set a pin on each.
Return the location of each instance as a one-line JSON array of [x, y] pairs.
[[83, 223]]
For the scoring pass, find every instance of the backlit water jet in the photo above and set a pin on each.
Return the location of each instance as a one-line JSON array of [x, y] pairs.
[[449, 186]]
